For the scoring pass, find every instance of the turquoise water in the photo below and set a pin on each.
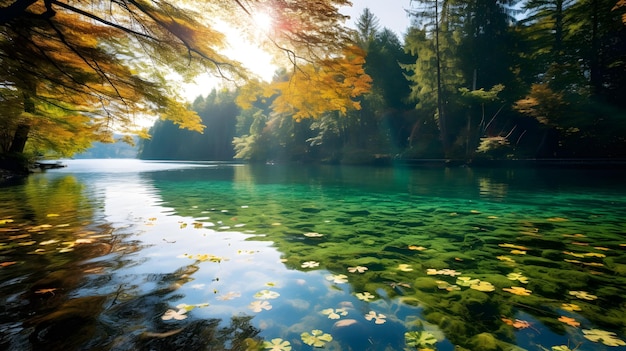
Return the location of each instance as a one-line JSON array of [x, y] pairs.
[[132, 255]]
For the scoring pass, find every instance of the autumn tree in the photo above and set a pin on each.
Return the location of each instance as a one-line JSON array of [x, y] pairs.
[[109, 61]]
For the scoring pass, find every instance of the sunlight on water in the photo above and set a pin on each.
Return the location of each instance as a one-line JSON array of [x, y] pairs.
[[132, 255]]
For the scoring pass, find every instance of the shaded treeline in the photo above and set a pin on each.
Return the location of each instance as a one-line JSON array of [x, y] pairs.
[[472, 79]]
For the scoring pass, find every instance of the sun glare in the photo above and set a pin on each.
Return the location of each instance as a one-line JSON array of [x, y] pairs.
[[263, 22]]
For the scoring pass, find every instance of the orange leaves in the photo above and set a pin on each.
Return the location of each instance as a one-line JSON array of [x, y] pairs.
[[517, 323], [569, 321]]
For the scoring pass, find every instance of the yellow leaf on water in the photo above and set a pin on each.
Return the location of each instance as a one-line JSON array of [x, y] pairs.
[[513, 246], [571, 307], [405, 267], [52, 215], [583, 295], [483, 286], [557, 219], [5, 221], [518, 252], [569, 321], [416, 248], [594, 254], [607, 338], [518, 290]]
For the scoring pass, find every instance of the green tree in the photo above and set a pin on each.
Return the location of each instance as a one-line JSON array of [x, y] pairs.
[[218, 113]]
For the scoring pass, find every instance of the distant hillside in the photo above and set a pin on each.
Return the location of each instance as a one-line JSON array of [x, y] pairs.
[[115, 150]]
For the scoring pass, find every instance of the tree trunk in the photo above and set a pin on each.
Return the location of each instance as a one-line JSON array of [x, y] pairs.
[[19, 139]]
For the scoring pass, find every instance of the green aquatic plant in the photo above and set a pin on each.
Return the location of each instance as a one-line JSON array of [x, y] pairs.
[[419, 339], [316, 338]]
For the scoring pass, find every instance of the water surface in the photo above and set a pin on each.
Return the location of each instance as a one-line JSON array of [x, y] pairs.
[[132, 255]]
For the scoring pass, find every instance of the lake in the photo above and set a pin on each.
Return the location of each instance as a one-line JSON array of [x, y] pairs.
[[137, 255]]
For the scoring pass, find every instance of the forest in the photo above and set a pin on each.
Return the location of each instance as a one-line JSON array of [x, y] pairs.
[[470, 80]]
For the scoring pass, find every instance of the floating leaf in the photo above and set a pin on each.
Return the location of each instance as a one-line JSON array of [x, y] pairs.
[[416, 248], [405, 267], [569, 321], [335, 313], [229, 296], [317, 338], [258, 306], [517, 276], [605, 337], [7, 263], [337, 278], [450, 272], [443, 285], [483, 286], [313, 235], [205, 257], [571, 307], [266, 294], [419, 339], [583, 295], [513, 246], [557, 219], [378, 318], [466, 281], [45, 291], [277, 344], [518, 323], [5, 221], [359, 269], [172, 314], [518, 252], [365, 296], [561, 348], [505, 259], [518, 290], [56, 215], [310, 264]]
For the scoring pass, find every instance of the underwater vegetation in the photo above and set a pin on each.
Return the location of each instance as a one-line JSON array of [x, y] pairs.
[[482, 274], [262, 264]]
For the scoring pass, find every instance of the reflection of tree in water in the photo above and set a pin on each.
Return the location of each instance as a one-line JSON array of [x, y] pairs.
[[203, 335], [61, 287]]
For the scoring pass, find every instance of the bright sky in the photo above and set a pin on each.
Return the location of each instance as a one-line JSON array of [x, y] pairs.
[[390, 14]]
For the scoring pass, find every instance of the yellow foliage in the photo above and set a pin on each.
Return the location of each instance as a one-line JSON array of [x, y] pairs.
[[314, 90]]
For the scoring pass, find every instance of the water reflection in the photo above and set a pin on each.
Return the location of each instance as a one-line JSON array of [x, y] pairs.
[[226, 256]]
